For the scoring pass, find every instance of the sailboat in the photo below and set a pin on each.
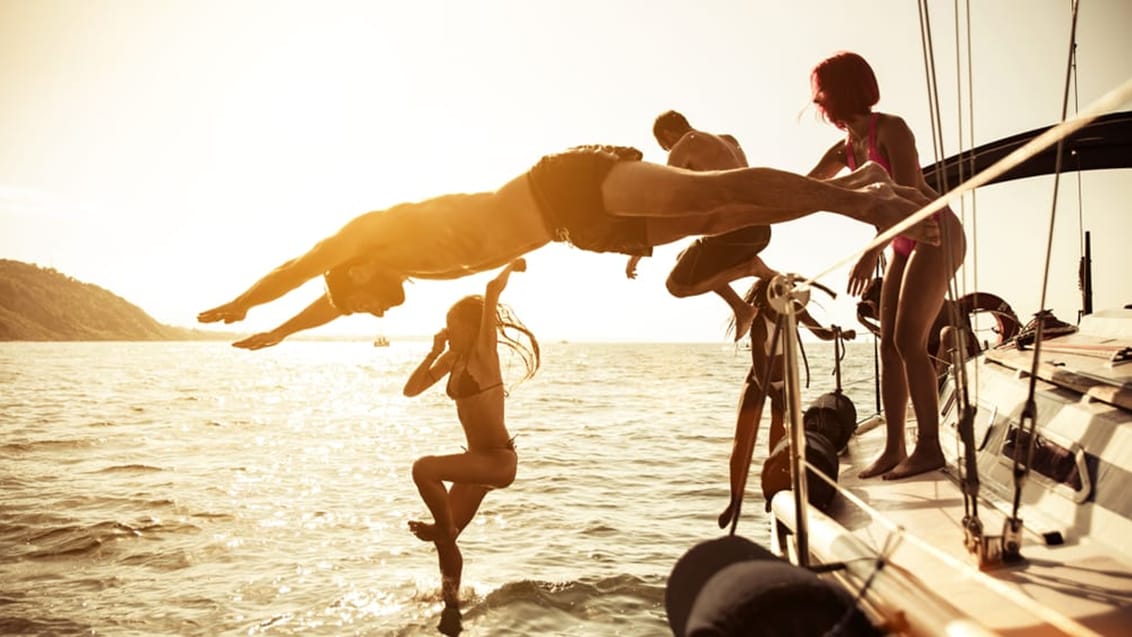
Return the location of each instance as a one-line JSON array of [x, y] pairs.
[[1027, 530]]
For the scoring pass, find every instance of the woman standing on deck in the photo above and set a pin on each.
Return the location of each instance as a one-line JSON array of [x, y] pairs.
[[466, 353], [845, 91]]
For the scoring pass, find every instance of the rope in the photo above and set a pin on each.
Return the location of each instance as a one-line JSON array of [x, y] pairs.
[[881, 559]]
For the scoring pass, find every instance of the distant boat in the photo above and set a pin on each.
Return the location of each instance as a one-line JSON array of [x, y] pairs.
[[381, 341]]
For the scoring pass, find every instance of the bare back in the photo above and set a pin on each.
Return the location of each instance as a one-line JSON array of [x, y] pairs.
[[454, 235], [701, 151]]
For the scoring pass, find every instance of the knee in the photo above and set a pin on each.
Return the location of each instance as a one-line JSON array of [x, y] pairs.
[[909, 345], [889, 350], [422, 470], [951, 338]]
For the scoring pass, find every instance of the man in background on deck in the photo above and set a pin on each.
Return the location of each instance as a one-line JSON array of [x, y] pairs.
[[711, 263]]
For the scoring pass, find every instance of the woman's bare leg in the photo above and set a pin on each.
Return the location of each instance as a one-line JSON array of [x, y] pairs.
[[453, 510], [893, 383], [465, 501], [746, 430], [495, 469], [926, 278]]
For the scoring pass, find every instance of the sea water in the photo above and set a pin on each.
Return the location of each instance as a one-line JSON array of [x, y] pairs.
[[190, 488]]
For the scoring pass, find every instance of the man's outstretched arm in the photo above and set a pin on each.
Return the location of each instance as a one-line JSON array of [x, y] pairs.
[[321, 312], [326, 254]]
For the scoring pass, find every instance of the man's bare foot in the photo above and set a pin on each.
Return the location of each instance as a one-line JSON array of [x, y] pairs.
[[891, 208], [744, 317], [921, 461], [882, 465], [869, 172]]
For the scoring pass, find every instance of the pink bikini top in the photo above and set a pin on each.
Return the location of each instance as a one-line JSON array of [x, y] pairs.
[[900, 244], [874, 152]]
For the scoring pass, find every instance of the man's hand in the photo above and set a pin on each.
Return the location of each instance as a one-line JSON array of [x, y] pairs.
[[229, 313], [496, 285], [259, 341]]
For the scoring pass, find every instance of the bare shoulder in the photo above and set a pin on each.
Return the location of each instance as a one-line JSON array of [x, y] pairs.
[[699, 150], [890, 125]]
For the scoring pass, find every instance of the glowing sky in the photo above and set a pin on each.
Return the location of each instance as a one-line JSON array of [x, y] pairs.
[[174, 151]]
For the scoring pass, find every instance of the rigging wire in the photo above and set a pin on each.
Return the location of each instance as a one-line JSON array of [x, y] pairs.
[[1085, 273], [1027, 423], [972, 158], [937, 138]]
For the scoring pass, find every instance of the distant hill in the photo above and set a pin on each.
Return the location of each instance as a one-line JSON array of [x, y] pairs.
[[41, 304]]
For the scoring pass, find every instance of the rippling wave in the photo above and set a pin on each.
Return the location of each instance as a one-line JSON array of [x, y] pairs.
[[195, 489]]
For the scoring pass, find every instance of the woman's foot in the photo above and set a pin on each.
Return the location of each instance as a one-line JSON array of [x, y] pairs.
[[450, 623], [921, 461], [725, 517], [882, 465], [428, 533]]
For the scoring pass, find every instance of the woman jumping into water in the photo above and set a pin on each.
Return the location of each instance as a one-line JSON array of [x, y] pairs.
[[466, 353]]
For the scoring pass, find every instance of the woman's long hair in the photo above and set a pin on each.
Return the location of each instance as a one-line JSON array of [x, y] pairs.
[[512, 333]]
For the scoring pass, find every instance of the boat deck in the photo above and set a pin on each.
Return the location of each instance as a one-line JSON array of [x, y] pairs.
[[1080, 580], [1075, 572]]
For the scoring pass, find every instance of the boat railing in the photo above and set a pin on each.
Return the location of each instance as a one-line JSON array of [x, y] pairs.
[[816, 535]]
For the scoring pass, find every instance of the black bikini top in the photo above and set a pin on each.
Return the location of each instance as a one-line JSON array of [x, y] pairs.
[[463, 385]]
